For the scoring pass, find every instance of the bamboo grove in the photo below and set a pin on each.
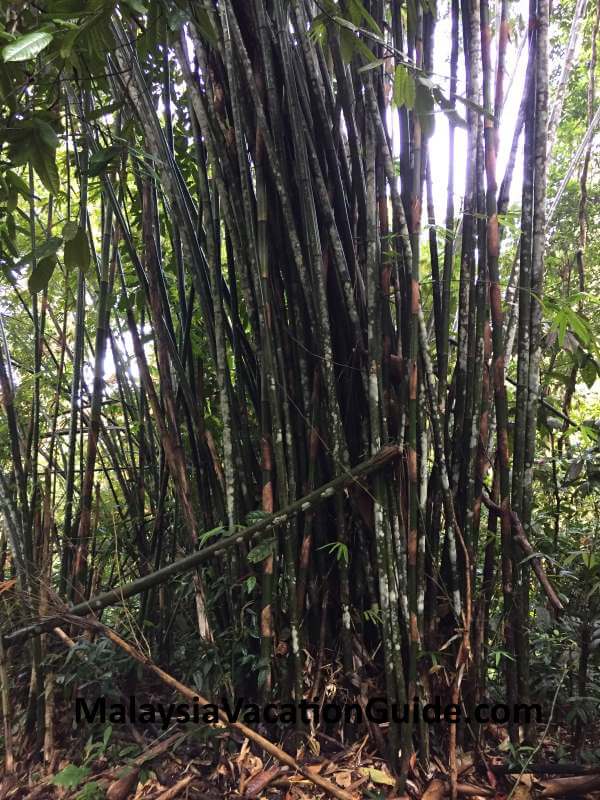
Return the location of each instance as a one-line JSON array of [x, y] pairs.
[[226, 291]]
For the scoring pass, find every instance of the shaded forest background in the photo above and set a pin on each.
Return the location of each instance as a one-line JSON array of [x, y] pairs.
[[271, 423]]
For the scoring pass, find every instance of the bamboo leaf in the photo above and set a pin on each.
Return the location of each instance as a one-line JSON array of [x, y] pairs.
[[40, 276], [424, 108], [46, 170], [70, 231], [261, 551], [404, 87], [359, 13], [589, 373], [379, 62], [17, 183], [77, 251], [100, 160], [49, 248]]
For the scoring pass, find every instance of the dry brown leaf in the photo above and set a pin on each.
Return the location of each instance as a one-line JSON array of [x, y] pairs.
[[6, 585], [435, 791], [124, 787], [260, 782], [343, 778], [524, 787], [354, 786], [465, 762], [253, 766]]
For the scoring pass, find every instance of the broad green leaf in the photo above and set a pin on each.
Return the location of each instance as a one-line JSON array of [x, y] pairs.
[[9, 240], [261, 551], [352, 45], [40, 276], [70, 231], [17, 182], [34, 141], [91, 791], [68, 42], [77, 251], [589, 373], [347, 45], [207, 535], [49, 248], [379, 62], [45, 132], [136, 6], [359, 13], [252, 517], [424, 109], [377, 776], [102, 158], [71, 776], [26, 47], [44, 163], [404, 87], [107, 734], [318, 29]]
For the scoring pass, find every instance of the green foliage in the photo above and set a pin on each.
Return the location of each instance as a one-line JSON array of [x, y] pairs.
[[71, 776], [339, 550], [48, 45], [101, 159], [41, 274], [34, 140], [253, 517], [404, 87], [424, 108], [91, 791], [77, 251], [261, 551], [26, 47]]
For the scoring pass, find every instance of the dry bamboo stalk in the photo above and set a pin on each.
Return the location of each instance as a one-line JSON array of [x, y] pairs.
[[178, 787], [9, 761]]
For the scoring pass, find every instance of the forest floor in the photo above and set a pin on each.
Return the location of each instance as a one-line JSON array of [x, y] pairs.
[[132, 763]]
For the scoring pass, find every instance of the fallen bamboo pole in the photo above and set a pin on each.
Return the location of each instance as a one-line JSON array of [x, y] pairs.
[[264, 526]]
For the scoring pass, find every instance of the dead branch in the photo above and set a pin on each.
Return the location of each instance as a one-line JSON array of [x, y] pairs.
[[521, 539]]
